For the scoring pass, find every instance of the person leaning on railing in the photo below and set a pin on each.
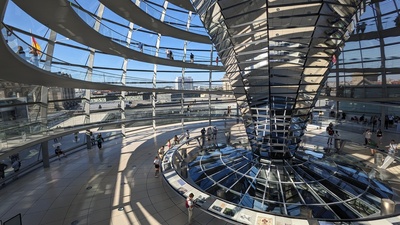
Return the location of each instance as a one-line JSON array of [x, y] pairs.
[[21, 52], [35, 56]]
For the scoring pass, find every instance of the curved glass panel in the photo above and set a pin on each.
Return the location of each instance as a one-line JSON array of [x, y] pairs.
[[334, 187]]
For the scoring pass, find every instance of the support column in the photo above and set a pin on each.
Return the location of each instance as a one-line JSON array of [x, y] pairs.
[[123, 80], [183, 75], [45, 154], [44, 94], [90, 62], [209, 87], [337, 88], [378, 17], [50, 50], [153, 95], [88, 140]]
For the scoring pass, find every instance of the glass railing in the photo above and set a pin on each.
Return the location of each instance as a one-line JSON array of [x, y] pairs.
[[362, 91], [12, 132], [178, 18], [155, 12], [64, 68], [200, 57], [32, 156]]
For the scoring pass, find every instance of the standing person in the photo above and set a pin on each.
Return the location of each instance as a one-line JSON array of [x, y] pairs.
[[191, 57], [374, 122], [187, 137], [343, 116], [168, 53], [373, 147], [169, 144], [140, 46], [161, 150], [217, 60], [209, 133], [189, 205], [327, 91], [99, 140], [330, 132], [188, 110], [76, 137], [386, 122], [176, 140], [92, 138], [229, 111], [367, 136], [21, 52], [203, 136], [379, 136], [362, 118], [156, 163], [362, 26], [215, 131], [35, 56], [3, 168], [392, 149]]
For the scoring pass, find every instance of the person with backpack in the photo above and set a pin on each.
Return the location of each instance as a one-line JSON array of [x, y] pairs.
[[99, 140], [330, 132], [16, 165], [189, 205]]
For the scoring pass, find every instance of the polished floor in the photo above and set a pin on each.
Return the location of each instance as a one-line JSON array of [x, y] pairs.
[[116, 185]]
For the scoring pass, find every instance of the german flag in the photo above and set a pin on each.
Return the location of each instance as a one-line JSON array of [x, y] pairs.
[[35, 45]]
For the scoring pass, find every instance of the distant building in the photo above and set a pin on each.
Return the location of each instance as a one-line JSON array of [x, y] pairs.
[[187, 83], [59, 98], [226, 84]]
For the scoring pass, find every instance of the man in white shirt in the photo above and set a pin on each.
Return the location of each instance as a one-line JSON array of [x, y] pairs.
[[367, 136], [392, 149]]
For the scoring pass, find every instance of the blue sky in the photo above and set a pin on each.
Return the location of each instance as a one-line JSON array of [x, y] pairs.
[[368, 58], [14, 16]]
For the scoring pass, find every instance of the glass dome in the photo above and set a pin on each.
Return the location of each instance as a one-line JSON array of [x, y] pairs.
[[332, 186]]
